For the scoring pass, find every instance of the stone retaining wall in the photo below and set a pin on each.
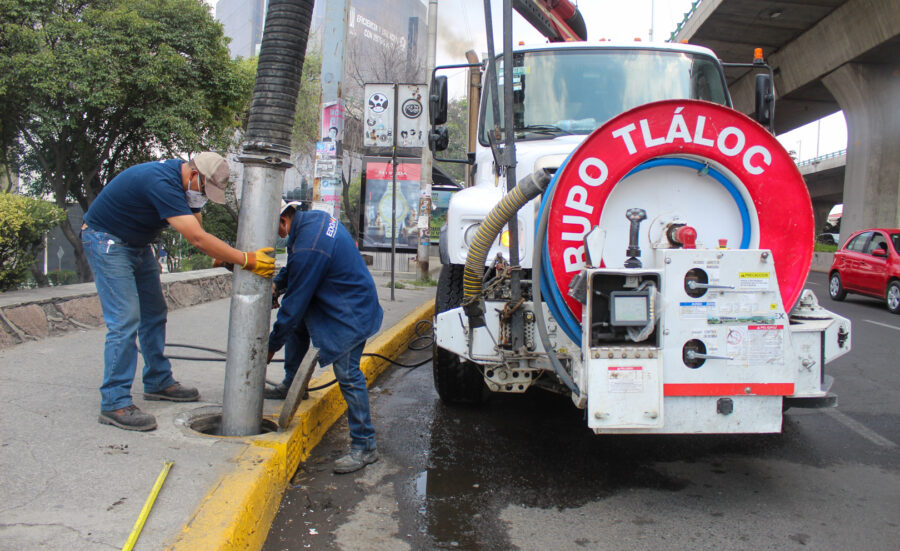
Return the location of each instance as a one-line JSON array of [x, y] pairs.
[[39, 313]]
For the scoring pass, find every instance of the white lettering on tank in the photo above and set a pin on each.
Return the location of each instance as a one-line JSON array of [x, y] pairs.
[[573, 258], [625, 134], [698, 133], [724, 134], [650, 141], [580, 220], [576, 200], [748, 157], [678, 128], [599, 165]]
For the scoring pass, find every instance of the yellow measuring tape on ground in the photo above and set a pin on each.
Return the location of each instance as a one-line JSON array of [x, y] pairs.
[[145, 511]]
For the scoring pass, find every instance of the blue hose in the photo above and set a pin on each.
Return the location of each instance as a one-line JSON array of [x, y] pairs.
[[555, 301]]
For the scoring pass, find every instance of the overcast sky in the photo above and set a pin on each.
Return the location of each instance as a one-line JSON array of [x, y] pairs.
[[461, 28]]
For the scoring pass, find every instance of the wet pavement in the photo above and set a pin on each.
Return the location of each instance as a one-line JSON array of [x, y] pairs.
[[523, 472]]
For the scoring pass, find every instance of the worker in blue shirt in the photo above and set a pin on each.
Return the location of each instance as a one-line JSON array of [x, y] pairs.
[[330, 293], [118, 227]]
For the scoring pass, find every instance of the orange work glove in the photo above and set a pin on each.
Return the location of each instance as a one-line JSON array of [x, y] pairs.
[[259, 262]]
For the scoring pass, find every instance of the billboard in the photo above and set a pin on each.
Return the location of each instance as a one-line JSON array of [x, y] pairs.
[[376, 223], [378, 127]]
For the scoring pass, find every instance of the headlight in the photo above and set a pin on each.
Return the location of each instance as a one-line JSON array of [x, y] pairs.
[[469, 236]]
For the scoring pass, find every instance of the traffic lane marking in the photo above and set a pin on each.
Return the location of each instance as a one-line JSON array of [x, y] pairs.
[[860, 429], [894, 327]]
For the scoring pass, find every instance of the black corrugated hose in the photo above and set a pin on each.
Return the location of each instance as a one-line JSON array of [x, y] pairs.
[[278, 73]]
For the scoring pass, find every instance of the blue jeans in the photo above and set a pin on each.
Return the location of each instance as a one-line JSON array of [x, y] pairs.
[[353, 387], [295, 347], [127, 280]]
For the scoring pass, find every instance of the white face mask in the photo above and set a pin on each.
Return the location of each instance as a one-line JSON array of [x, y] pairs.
[[195, 199]]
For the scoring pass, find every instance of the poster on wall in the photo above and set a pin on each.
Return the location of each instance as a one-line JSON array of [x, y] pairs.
[[376, 224]]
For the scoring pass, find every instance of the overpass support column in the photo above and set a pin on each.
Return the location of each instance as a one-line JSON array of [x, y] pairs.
[[821, 208], [870, 98]]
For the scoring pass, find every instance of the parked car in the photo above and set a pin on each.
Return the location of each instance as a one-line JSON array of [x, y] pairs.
[[868, 264]]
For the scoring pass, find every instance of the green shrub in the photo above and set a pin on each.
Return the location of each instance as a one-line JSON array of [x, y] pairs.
[[23, 222], [62, 277], [197, 261]]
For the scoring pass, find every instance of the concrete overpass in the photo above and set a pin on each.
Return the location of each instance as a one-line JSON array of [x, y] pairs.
[[827, 55], [825, 179]]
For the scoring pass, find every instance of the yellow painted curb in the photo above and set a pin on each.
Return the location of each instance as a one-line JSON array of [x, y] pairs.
[[237, 513]]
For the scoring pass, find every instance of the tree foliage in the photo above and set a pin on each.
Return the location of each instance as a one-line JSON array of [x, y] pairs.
[[90, 87], [23, 221]]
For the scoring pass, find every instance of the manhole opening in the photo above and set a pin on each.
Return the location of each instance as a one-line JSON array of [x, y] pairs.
[[211, 424]]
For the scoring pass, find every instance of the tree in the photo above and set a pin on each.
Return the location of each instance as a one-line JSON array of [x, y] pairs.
[[90, 87], [23, 222]]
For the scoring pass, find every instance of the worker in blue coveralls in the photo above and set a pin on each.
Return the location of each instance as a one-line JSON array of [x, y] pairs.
[[330, 293], [296, 345], [118, 227]]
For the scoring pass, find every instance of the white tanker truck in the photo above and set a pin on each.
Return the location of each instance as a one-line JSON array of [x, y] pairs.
[[660, 246]]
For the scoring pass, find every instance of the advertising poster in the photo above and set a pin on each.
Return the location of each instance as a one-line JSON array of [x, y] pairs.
[[376, 192], [378, 127], [333, 122]]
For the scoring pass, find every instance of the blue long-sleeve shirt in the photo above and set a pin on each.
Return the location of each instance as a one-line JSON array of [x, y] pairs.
[[327, 286]]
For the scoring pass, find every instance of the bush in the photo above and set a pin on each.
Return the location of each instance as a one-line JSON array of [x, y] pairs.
[[197, 261], [62, 277], [23, 222]]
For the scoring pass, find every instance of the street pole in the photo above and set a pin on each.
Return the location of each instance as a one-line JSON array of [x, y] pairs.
[[265, 154], [425, 179], [394, 189]]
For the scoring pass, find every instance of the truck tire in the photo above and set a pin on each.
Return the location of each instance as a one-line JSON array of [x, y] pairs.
[[457, 381]]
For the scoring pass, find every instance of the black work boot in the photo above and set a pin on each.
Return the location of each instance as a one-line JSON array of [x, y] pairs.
[[276, 393], [174, 393], [128, 418]]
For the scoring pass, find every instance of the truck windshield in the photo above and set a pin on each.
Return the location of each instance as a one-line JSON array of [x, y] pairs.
[[574, 91]]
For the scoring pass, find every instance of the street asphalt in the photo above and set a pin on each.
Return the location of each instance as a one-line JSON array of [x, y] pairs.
[[70, 483]]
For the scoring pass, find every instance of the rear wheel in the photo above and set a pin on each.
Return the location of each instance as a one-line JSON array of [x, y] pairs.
[[892, 297], [457, 381], [836, 288]]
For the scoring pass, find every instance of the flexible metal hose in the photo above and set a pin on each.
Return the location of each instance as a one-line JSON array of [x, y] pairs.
[[527, 189]]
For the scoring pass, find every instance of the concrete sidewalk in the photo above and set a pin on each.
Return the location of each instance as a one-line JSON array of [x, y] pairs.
[[68, 482]]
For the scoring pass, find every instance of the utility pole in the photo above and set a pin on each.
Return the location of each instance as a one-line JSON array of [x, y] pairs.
[[427, 159]]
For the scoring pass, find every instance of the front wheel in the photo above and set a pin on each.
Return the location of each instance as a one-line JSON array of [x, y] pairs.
[[835, 288], [457, 381], [892, 297]]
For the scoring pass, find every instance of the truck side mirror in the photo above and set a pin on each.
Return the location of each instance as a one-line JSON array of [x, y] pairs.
[[438, 138], [765, 100], [437, 101]]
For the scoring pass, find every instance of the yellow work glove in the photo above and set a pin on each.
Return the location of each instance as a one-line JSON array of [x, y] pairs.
[[259, 262]]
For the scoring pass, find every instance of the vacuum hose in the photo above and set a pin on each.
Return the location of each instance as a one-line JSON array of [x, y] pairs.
[[528, 188]]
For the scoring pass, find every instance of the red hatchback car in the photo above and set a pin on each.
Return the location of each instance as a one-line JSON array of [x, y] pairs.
[[868, 264]]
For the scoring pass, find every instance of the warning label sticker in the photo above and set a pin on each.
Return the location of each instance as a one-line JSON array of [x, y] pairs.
[[625, 379], [755, 345], [754, 281]]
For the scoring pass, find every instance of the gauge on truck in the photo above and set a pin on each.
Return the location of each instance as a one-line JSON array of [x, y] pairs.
[[629, 308]]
